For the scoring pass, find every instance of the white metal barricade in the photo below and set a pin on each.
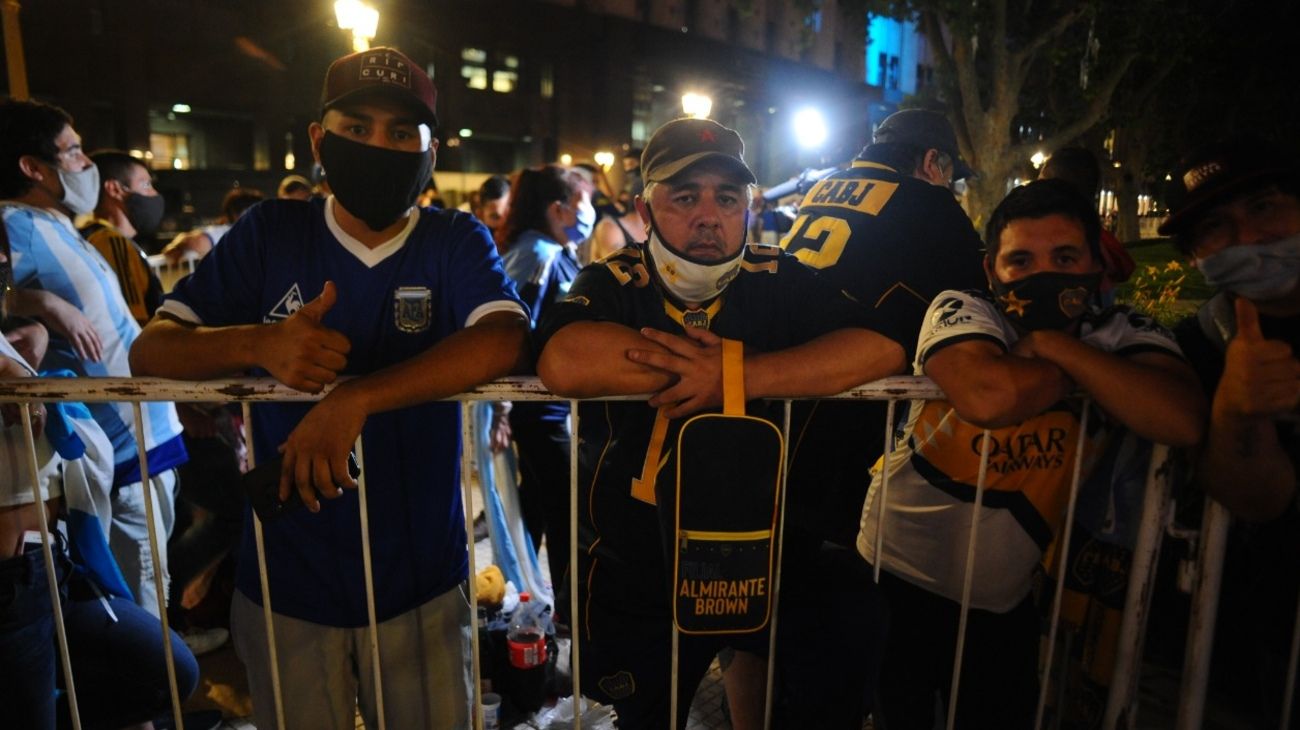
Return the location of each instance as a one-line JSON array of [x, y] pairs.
[[1122, 701]]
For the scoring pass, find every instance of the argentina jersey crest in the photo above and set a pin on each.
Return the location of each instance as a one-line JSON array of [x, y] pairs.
[[412, 308]]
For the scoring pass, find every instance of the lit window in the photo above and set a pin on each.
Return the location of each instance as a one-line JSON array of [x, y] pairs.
[[169, 150], [510, 62], [548, 82], [475, 76], [504, 82], [473, 55]]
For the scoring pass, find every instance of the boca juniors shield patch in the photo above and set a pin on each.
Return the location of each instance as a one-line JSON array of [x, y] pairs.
[[412, 308]]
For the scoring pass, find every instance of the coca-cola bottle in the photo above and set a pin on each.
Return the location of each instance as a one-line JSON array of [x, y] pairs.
[[526, 636]]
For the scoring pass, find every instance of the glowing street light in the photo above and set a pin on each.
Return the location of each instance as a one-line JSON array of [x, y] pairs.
[[605, 159], [360, 18], [566, 159], [809, 128], [696, 105], [1038, 159]]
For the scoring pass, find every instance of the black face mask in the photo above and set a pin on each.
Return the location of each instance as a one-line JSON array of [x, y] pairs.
[[375, 184], [145, 212], [1046, 301]]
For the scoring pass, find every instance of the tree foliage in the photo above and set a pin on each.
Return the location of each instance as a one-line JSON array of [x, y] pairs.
[[1018, 76]]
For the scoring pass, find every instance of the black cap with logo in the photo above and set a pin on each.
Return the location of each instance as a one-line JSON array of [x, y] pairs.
[[681, 143], [384, 71], [1218, 171], [924, 129]]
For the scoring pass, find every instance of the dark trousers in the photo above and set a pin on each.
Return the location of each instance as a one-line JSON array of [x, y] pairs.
[[210, 481], [829, 636], [999, 676], [544, 488], [118, 666]]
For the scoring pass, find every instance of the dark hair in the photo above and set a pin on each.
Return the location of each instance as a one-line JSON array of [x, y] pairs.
[[493, 188], [237, 201], [27, 128], [534, 190], [115, 165], [1040, 199], [1076, 166]]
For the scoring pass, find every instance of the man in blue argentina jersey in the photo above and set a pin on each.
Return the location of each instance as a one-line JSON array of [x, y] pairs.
[[415, 302], [62, 280]]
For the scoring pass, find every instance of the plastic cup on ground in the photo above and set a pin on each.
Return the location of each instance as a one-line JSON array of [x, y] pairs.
[[491, 711]]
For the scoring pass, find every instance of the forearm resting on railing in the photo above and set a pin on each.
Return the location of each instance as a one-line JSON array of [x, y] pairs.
[[169, 348]]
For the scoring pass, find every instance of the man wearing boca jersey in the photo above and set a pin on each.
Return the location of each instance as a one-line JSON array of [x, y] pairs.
[[416, 303], [889, 232], [1006, 359], [650, 319]]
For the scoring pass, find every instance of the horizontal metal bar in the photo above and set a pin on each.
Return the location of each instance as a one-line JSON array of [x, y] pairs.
[[516, 388]]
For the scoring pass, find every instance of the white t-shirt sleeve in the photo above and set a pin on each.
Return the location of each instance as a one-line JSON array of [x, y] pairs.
[[956, 316]]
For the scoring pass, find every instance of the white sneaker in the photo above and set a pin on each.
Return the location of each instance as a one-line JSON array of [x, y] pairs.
[[203, 641]]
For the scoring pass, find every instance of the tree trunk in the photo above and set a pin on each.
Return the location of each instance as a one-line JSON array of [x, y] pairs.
[[983, 194]]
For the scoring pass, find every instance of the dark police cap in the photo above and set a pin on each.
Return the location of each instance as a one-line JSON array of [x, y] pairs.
[[1217, 172], [681, 143], [380, 71], [924, 129]]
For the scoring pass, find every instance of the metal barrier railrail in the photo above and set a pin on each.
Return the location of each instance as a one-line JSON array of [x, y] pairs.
[[1121, 707]]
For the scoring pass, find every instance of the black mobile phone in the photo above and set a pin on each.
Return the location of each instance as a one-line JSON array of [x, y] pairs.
[[262, 486]]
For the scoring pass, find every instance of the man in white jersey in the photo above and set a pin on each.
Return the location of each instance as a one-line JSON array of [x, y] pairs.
[[62, 280]]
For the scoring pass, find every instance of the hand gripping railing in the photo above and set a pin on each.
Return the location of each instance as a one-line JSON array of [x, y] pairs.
[[1121, 707]]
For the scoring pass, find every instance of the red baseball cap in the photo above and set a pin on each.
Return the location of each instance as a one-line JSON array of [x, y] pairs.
[[384, 71]]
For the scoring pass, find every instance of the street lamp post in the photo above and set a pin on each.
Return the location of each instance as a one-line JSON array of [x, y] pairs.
[[696, 105], [360, 18]]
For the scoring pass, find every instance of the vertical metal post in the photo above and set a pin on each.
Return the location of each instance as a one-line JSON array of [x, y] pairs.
[[146, 487], [1205, 611], [1288, 696], [776, 582], [968, 580], [368, 567], [574, 627], [51, 577], [1121, 702], [1063, 560], [267, 615], [884, 487], [467, 438]]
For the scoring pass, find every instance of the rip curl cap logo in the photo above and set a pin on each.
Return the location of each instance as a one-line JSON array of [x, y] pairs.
[[1197, 176]]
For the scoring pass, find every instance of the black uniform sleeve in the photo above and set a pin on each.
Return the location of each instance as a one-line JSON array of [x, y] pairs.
[[813, 304], [594, 297]]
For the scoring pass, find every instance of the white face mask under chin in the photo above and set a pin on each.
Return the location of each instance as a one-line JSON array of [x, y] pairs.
[[689, 281]]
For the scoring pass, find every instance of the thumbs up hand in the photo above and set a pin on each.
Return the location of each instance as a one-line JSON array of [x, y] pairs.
[[1261, 377], [301, 352]]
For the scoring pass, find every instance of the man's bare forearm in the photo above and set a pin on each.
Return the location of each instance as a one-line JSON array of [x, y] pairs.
[[589, 360], [1243, 466], [168, 348], [492, 348]]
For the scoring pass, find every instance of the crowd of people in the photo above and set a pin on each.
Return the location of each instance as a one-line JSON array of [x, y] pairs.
[[658, 289]]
